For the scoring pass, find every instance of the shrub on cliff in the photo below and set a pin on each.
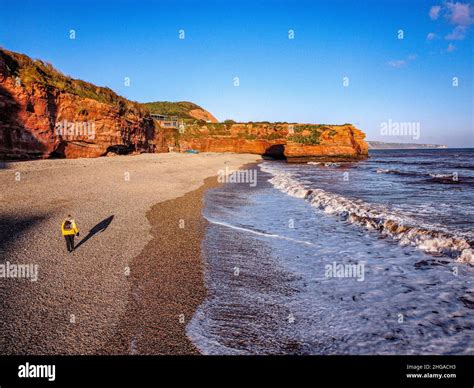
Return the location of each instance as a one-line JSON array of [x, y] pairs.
[[274, 136], [180, 109], [312, 139], [31, 71]]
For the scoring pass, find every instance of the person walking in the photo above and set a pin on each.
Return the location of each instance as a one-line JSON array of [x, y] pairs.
[[69, 229]]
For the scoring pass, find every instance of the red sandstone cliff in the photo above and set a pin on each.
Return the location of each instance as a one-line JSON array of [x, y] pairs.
[[295, 142], [44, 113], [202, 114]]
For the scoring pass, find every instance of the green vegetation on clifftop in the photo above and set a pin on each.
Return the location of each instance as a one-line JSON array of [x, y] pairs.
[[31, 72], [180, 109]]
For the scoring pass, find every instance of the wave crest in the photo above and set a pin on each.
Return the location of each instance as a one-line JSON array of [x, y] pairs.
[[375, 217]]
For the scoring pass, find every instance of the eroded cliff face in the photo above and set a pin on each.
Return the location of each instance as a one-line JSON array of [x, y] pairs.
[[295, 142], [39, 120], [44, 113], [202, 114]]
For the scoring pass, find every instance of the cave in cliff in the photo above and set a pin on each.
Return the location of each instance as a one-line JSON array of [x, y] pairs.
[[126, 127], [120, 149], [58, 152], [275, 151]]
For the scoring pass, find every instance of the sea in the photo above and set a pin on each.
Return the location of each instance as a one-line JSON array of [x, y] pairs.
[[372, 257]]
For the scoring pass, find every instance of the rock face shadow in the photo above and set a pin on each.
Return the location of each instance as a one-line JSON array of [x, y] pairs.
[[100, 227], [16, 141], [275, 151]]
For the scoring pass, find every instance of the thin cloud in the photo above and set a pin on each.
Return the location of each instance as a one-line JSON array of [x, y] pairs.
[[399, 63], [459, 14], [459, 33], [434, 12]]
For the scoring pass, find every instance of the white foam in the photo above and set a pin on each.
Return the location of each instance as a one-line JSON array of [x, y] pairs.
[[382, 171], [270, 235], [467, 256], [374, 217]]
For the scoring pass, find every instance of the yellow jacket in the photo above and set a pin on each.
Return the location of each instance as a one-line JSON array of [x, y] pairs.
[[73, 230]]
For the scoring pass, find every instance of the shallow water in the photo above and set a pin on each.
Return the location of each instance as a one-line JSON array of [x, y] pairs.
[[269, 250]]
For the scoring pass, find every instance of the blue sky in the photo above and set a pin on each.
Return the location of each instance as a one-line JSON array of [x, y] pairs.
[[407, 80]]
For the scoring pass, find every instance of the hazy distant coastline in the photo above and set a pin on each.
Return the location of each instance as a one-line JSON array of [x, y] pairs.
[[380, 145]]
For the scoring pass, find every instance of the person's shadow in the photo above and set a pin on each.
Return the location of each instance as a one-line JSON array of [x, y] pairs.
[[100, 227]]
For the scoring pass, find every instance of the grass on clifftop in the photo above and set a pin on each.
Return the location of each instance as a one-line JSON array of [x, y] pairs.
[[31, 72], [180, 109], [315, 131], [307, 134]]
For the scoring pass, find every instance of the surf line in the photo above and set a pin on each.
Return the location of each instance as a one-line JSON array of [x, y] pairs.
[[270, 235]]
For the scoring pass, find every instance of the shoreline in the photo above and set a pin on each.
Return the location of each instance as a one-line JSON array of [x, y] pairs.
[[81, 300], [167, 280]]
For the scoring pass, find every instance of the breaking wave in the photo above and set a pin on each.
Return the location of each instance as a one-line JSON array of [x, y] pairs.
[[431, 177], [395, 172], [376, 217], [452, 166]]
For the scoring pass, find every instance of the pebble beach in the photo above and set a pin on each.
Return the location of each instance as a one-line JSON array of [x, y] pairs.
[[135, 278]]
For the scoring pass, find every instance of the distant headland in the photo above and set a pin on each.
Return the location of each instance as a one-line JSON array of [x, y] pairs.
[[380, 145]]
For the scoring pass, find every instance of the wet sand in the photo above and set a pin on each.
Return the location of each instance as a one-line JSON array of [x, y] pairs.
[[88, 302], [167, 280]]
